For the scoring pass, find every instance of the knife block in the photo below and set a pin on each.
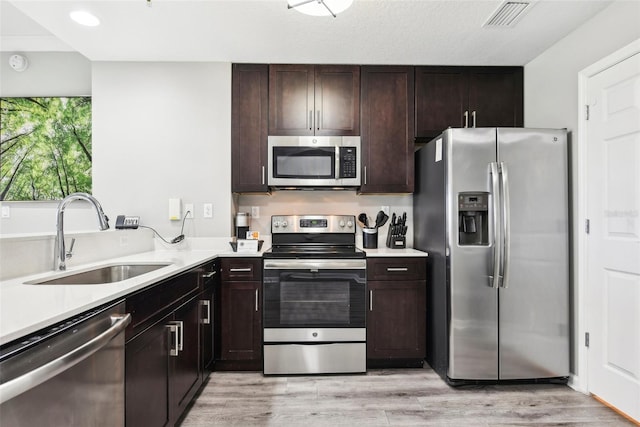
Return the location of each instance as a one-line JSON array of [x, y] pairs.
[[395, 241]]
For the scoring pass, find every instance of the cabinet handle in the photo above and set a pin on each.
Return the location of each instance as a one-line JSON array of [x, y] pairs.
[[240, 270], [318, 122], [365, 175], [173, 331], [209, 275], [256, 300], [466, 118], [397, 269], [473, 116], [180, 335], [206, 303], [310, 119], [262, 174], [370, 299]]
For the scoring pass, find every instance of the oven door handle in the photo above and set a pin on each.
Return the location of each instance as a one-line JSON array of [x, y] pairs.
[[316, 264]]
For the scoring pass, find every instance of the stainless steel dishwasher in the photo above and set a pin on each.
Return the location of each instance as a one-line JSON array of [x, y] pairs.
[[70, 374]]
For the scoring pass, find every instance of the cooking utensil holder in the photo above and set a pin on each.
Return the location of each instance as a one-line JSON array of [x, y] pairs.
[[370, 238]]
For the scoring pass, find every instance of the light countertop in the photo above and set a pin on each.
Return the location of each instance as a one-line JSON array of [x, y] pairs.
[[388, 252], [25, 308]]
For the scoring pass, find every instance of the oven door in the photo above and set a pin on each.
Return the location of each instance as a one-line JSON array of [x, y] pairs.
[[303, 293]]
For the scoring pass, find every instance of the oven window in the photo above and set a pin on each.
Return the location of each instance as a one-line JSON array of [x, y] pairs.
[[302, 162], [303, 299], [305, 303]]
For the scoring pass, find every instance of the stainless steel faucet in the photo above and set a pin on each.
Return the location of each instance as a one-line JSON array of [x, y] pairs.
[[60, 255]]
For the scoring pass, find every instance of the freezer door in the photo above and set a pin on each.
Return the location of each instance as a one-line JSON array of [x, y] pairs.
[[534, 297], [473, 317]]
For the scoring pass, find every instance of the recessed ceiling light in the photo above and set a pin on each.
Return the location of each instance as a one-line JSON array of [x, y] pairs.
[[83, 17]]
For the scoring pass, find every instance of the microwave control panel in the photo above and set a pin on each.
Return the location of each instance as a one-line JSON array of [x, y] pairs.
[[348, 162]]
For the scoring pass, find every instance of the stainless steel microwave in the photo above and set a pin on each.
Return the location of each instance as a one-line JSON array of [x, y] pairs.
[[314, 161]]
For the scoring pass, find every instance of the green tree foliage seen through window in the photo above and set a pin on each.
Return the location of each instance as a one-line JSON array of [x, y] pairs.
[[45, 147]]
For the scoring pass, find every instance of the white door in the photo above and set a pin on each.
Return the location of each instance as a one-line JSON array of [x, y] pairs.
[[613, 244]]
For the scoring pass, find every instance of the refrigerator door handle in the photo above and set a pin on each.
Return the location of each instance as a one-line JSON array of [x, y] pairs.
[[497, 242], [506, 229]]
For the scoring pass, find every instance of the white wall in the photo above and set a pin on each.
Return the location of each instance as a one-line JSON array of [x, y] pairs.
[[551, 93], [160, 131]]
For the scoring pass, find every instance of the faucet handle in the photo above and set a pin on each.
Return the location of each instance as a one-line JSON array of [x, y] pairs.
[[69, 253]]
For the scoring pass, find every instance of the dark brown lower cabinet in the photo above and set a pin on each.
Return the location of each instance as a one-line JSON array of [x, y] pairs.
[[164, 352], [241, 325], [147, 382], [396, 320], [184, 366], [240, 314]]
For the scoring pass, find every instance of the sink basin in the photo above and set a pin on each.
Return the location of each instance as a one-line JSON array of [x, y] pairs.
[[102, 275]]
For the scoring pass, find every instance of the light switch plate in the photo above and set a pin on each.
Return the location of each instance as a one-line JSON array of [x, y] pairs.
[[207, 210]]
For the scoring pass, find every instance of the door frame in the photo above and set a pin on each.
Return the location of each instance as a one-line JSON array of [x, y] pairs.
[[580, 378]]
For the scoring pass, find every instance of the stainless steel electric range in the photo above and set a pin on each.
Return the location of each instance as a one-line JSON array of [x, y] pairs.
[[314, 282]]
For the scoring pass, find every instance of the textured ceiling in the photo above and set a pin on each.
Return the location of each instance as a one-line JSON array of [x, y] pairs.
[[370, 32]]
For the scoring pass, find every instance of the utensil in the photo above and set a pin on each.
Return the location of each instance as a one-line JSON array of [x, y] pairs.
[[381, 219], [364, 221]]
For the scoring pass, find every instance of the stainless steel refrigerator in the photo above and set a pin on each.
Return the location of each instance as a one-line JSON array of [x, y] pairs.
[[491, 209]]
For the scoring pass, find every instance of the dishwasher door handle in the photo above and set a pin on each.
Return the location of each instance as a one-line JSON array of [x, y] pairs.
[[31, 379]]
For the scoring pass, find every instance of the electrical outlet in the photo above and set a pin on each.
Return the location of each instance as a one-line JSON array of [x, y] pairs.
[[188, 207], [385, 209], [207, 210], [255, 211], [6, 212]]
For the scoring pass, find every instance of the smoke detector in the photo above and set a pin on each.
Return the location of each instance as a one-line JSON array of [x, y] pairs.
[[18, 62], [508, 14]]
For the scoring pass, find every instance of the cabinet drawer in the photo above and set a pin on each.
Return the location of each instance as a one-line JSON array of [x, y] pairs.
[[240, 269], [146, 306], [397, 268]]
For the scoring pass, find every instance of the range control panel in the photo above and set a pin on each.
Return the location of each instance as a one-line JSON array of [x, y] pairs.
[[313, 224]]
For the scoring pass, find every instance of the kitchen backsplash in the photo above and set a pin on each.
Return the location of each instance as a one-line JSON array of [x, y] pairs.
[[326, 202]]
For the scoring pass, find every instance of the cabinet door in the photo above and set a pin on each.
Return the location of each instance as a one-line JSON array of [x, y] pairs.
[[337, 100], [495, 97], [241, 320], [184, 368], [441, 99], [291, 106], [146, 381], [387, 127], [396, 319], [249, 127]]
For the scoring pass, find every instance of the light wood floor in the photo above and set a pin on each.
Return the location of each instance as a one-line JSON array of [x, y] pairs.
[[388, 397]]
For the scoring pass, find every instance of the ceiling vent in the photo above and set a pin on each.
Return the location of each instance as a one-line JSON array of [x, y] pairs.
[[508, 14]]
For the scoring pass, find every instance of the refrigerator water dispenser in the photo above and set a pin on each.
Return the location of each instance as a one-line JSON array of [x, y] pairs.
[[473, 216]]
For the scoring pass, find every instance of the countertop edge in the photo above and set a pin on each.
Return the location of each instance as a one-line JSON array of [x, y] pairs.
[[51, 304]]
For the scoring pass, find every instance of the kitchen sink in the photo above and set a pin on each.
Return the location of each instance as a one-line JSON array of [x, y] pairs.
[[101, 275]]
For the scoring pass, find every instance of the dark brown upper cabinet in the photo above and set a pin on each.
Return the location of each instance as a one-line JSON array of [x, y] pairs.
[[249, 125], [314, 100], [387, 129], [467, 97]]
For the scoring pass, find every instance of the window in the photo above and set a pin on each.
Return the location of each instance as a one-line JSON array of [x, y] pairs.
[[45, 147]]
